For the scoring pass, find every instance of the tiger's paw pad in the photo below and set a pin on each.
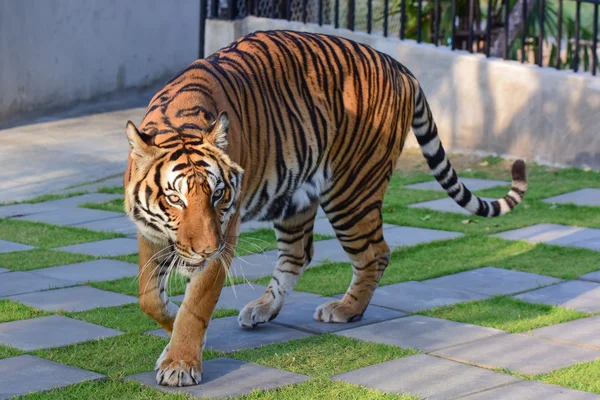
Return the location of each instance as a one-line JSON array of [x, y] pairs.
[[336, 311], [257, 312], [178, 373]]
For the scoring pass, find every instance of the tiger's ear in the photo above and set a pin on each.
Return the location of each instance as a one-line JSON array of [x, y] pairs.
[[139, 142], [217, 133]]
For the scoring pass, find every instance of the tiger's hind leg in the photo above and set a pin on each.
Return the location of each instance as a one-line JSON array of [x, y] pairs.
[[295, 250], [360, 232]]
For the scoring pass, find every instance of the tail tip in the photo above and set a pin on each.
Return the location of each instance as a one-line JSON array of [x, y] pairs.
[[519, 171]]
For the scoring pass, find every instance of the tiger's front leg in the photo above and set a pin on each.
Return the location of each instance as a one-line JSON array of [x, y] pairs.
[[181, 361]]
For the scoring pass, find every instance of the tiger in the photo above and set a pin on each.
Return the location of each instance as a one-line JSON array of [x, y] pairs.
[[270, 128]]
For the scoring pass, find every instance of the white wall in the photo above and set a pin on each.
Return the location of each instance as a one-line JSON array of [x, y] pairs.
[[489, 105], [57, 52]]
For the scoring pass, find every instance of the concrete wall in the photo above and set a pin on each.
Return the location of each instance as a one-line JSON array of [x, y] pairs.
[[58, 52], [490, 105]]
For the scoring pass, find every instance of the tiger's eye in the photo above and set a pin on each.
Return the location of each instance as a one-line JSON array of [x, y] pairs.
[[218, 194], [174, 199]]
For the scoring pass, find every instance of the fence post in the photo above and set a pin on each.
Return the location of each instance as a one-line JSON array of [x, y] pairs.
[[202, 34], [524, 33], [541, 38]]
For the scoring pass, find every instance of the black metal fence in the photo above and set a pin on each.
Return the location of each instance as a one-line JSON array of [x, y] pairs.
[[562, 34]]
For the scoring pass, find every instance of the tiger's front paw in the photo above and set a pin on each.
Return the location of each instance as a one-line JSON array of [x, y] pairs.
[[259, 311], [179, 373]]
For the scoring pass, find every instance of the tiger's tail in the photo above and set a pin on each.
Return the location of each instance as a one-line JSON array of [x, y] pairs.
[[427, 135]]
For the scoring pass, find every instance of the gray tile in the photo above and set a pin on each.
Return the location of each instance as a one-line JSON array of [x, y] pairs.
[[520, 353], [25, 282], [27, 374], [329, 250], [236, 297], [120, 224], [300, 316], [18, 210], [417, 296], [581, 197], [254, 266], [92, 187], [493, 281], [323, 227], [90, 271], [51, 331], [445, 205], [409, 236], [582, 331], [428, 377], [473, 184], [419, 332], [79, 298], [321, 213], [225, 378], [3, 270], [70, 216], [578, 295], [592, 276], [104, 248], [532, 390], [224, 334], [8, 247], [561, 235]]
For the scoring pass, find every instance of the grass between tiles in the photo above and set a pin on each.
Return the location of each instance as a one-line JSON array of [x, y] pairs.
[[440, 258], [45, 197], [48, 236], [40, 258], [584, 376], [506, 313]]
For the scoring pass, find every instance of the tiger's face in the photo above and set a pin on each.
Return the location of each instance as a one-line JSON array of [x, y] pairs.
[[182, 191]]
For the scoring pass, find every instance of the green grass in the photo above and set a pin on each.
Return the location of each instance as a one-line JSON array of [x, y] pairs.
[[505, 313], [324, 389], [440, 258], [45, 197], [129, 286], [13, 311], [39, 258], [116, 205], [116, 357], [112, 190], [48, 236], [323, 355], [127, 318], [6, 352], [584, 376]]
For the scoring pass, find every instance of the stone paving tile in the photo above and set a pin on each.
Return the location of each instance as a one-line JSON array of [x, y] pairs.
[[409, 236], [109, 183], [473, 184], [255, 225], [254, 265], [300, 316], [51, 331], [90, 271], [104, 248], [581, 197], [79, 298], [3, 270], [519, 353], [423, 333], [445, 205], [560, 235], [329, 250], [428, 377], [579, 295], [323, 227], [121, 224], [13, 283], [17, 210], [414, 296], [240, 295], [582, 332], [26, 374], [70, 216], [532, 390], [8, 247], [224, 334], [592, 276], [225, 378], [493, 281]]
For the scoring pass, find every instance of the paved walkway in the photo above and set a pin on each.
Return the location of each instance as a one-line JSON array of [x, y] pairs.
[[455, 358]]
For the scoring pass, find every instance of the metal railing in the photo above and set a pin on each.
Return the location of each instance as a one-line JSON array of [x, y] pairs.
[[549, 33]]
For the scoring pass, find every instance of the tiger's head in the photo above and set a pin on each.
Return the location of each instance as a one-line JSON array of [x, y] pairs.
[[181, 188]]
